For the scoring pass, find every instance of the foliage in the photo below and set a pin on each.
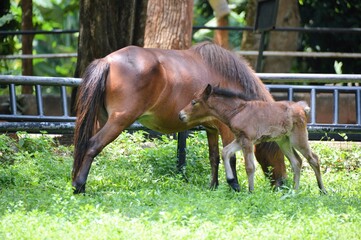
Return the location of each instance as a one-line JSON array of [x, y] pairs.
[[48, 15], [134, 192], [203, 16], [334, 14], [7, 22], [56, 14]]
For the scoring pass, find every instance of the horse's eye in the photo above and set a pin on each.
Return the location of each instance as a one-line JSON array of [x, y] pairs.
[[194, 102]]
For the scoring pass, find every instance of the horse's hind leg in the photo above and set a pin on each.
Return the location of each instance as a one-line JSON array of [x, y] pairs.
[[271, 159], [110, 131]]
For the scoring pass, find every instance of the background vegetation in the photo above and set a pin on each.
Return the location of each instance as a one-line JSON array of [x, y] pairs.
[[47, 15], [134, 192], [57, 14], [330, 14]]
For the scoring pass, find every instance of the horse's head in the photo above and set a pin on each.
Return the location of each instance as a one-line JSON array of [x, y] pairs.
[[198, 110]]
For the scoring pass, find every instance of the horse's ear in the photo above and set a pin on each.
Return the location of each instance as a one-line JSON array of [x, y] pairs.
[[208, 90]]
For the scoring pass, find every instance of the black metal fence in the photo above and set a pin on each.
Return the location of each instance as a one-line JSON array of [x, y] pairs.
[[64, 123]]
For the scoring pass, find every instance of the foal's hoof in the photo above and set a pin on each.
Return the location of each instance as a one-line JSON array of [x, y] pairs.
[[234, 184], [323, 191], [78, 189]]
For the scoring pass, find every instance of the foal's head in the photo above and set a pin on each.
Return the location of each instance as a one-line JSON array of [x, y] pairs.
[[197, 109], [203, 106]]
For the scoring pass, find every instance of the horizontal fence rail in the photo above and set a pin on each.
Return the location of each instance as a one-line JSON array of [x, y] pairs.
[[319, 30], [15, 121], [34, 56], [313, 92], [243, 53]]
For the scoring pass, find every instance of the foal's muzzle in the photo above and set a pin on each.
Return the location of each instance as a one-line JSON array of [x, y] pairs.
[[182, 116]]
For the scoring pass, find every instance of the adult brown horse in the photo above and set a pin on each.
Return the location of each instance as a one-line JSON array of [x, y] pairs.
[[151, 86]]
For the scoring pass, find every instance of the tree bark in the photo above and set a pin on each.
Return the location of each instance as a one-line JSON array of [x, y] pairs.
[[221, 10], [169, 24], [287, 16], [27, 41], [108, 25], [221, 37], [250, 40]]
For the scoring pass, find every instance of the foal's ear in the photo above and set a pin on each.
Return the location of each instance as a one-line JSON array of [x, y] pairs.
[[208, 90]]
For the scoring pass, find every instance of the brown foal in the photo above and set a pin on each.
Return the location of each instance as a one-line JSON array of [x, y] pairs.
[[252, 122]]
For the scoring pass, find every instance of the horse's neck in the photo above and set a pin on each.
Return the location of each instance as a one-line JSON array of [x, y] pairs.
[[226, 108]]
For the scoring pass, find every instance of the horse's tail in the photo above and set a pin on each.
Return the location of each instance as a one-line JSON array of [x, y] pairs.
[[89, 101]]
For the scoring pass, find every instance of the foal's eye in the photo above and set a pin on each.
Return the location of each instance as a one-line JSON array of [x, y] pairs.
[[193, 102]]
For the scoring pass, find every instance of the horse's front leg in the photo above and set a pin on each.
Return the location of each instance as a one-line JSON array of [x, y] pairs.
[[213, 148]]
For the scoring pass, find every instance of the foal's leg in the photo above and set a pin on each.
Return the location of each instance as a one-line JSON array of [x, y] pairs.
[[300, 142], [227, 137], [227, 152], [294, 158], [247, 148]]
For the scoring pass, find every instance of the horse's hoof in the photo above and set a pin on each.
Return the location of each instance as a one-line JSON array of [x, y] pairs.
[[234, 184], [213, 185], [278, 183], [78, 189]]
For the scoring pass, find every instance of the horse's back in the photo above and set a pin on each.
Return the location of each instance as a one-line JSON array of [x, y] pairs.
[[154, 84]]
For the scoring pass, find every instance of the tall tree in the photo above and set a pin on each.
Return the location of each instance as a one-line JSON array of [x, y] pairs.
[[221, 12], [108, 25], [27, 41], [169, 24], [288, 16]]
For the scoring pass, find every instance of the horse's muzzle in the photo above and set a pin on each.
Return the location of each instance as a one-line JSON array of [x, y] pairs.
[[182, 116]]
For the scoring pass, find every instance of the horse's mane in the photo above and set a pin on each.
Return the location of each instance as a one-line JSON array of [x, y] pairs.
[[233, 68], [231, 94]]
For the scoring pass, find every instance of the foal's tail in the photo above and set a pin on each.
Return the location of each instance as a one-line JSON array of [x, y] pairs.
[[89, 100], [305, 106]]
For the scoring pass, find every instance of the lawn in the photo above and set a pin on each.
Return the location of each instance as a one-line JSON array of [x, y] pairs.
[[135, 192]]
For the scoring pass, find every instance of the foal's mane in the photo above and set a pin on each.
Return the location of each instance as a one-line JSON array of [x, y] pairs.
[[233, 68], [230, 94]]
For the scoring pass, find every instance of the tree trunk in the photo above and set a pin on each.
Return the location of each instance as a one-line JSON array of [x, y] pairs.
[[250, 40], [27, 41], [169, 24], [108, 25], [221, 10], [288, 16]]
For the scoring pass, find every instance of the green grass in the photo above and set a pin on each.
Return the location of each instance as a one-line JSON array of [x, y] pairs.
[[134, 192]]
